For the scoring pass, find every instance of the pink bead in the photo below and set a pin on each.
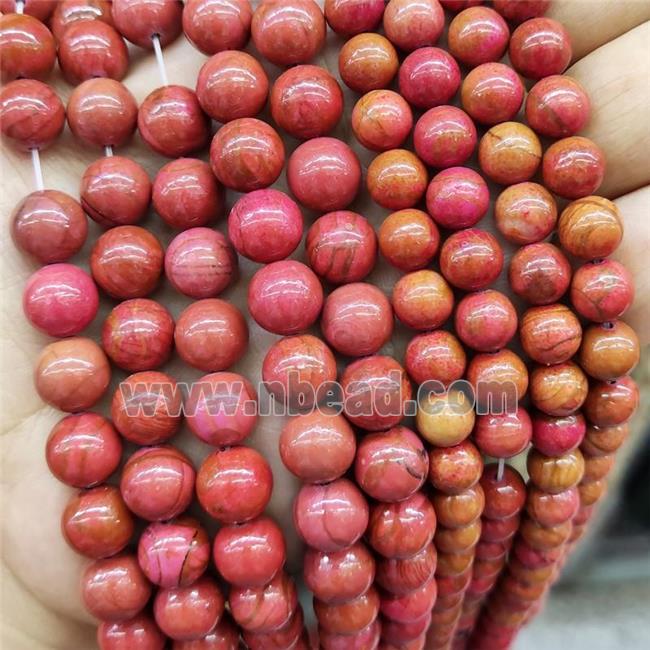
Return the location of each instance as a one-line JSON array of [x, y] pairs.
[[555, 436], [72, 11], [409, 607], [324, 174], [157, 483], [519, 10], [349, 17], [139, 20], [27, 49], [436, 356], [350, 617], [216, 25], [478, 35], [399, 577], [458, 5], [422, 300], [139, 633], [399, 633], [225, 636], [83, 450], [265, 226], [367, 638], [503, 436], [285, 297], [290, 635], [410, 25], [485, 321]]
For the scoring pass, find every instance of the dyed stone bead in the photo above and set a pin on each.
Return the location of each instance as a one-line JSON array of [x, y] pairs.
[[397, 633], [456, 510], [412, 25], [72, 374], [609, 350], [540, 47], [400, 530], [471, 259], [544, 537], [138, 335], [290, 635], [40, 9], [452, 564], [27, 48], [289, 32], [72, 11], [485, 321], [410, 607], [557, 435], [517, 11], [186, 194], [115, 191], [285, 297], [555, 474], [422, 300], [539, 273], [139, 20], [247, 154], [592, 492], [598, 467], [533, 558], [396, 179], [558, 390], [505, 496], [83, 450], [455, 469], [216, 25], [348, 17], [503, 435], [428, 77], [138, 633], [221, 409], [550, 333], [381, 120], [324, 174], [408, 239], [232, 85], [445, 419], [318, 446], [200, 263], [234, 485], [510, 153], [573, 167], [610, 403], [399, 577], [96, 522], [448, 585], [31, 114], [599, 441], [368, 62], [478, 35], [503, 367], [330, 517], [435, 356], [495, 531], [225, 636], [444, 136], [146, 407], [349, 617], [458, 5], [189, 613], [602, 290], [157, 483]]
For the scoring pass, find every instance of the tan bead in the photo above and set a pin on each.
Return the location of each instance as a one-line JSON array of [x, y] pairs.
[[609, 350], [544, 537], [598, 467], [558, 390], [453, 564], [592, 491], [455, 510], [457, 540], [555, 474], [550, 333], [611, 402], [601, 441], [445, 419]]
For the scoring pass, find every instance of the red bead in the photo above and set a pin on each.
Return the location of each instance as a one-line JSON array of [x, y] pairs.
[[225, 636], [27, 48], [290, 635], [412, 606], [540, 47], [550, 333], [411, 25], [139, 633], [435, 356], [399, 577], [505, 435], [348, 17], [422, 300], [552, 509], [139, 20], [396, 179], [555, 436], [216, 25], [519, 10], [83, 450], [368, 62], [478, 35], [350, 617], [496, 531], [455, 469], [408, 239], [67, 12], [381, 120], [40, 9], [505, 496], [398, 633], [610, 403]]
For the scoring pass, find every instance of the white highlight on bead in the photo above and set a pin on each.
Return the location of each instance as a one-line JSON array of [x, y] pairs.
[[500, 468], [159, 59], [38, 172], [108, 150], [20, 6]]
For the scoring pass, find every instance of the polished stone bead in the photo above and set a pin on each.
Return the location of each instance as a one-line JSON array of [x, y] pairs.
[[455, 469], [435, 356], [555, 436], [139, 20], [67, 12], [558, 390], [458, 5], [540, 47], [550, 333], [348, 17], [422, 300], [398, 633], [225, 636], [350, 617], [39, 9], [610, 403], [452, 564], [505, 496], [496, 531], [445, 419], [411, 25], [478, 35], [609, 350], [598, 467], [216, 25], [600, 441], [138, 633], [544, 537], [503, 435], [290, 635], [399, 577], [461, 509], [555, 474], [448, 585], [396, 179], [27, 48], [410, 607], [517, 11], [503, 367], [592, 492], [368, 62], [533, 558], [381, 120]]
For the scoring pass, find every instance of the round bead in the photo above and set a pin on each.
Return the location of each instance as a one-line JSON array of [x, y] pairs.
[[247, 154], [540, 47], [223, 637], [368, 62], [422, 300], [381, 120], [535, 559], [411, 25], [39, 9], [96, 522], [555, 436], [495, 531], [455, 469], [544, 537], [399, 577], [552, 509], [186, 194], [211, 335], [555, 474], [396, 179], [478, 35], [435, 356], [291, 634], [503, 435], [126, 262], [550, 333], [408, 239], [200, 263], [234, 484], [610, 403], [517, 11], [350, 617], [410, 608], [139, 20], [348, 17], [558, 390], [67, 12], [72, 374], [83, 450], [115, 191], [599, 441], [505, 496], [216, 25], [609, 350], [592, 492], [458, 5], [457, 510], [598, 467], [27, 48], [503, 367], [445, 418], [138, 633], [157, 483]]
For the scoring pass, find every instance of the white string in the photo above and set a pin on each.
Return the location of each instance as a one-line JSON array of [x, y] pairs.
[[20, 6], [159, 58], [38, 172], [500, 468], [108, 150]]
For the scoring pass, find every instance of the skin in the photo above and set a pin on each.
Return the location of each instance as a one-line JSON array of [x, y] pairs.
[[42, 608]]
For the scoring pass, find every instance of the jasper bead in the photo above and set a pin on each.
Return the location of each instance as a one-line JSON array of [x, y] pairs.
[[223, 637], [478, 35], [555, 474], [458, 5], [138, 633], [435, 356], [539, 273], [408, 239], [558, 390], [455, 469], [445, 419], [368, 62], [410, 607], [533, 558], [610, 403], [67, 12], [317, 447], [290, 635], [349, 617], [285, 297], [157, 483], [139, 20], [599, 441], [552, 509], [495, 531], [422, 300], [27, 48], [592, 492], [410, 25], [503, 367], [557, 435], [461, 509], [517, 11], [397, 179], [330, 517], [39, 9], [348, 17], [83, 450], [505, 496], [381, 120], [544, 537], [234, 485], [485, 321], [503, 435], [550, 333], [598, 467], [540, 47], [399, 577], [609, 350], [96, 522], [216, 25], [115, 191], [452, 564], [72, 374], [138, 335]]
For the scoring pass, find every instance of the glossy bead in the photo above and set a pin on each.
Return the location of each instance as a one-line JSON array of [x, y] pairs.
[[397, 179], [498, 530], [555, 474], [31, 114], [517, 11], [349, 617], [544, 537], [399, 577], [444, 136], [83, 450], [232, 85], [435, 356], [330, 517], [225, 636], [216, 25], [573, 167], [550, 333], [533, 558], [503, 367], [598, 467], [115, 191], [324, 174], [381, 120], [348, 17], [291, 634], [188, 613], [451, 564], [510, 153], [157, 483], [408, 239], [27, 48], [39, 9], [375, 390], [602, 290], [471, 259], [453, 584], [455, 469], [445, 419], [247, 154], [138, 633], [456, 510], [559, 389], [505, 496], [478, 35], [610, 403], [410, 25], [410, 607], [285, 297], [72, 374], [557, 435], [138, 335], [146, 407], [318, 446], [92, 48], [540, 47], [485, 321], [221, 409], [609, 350], [599, 441], [552, 509], [200, 263], [400, 530], [422, 300], [503, 435], [458, 5], [139, 20], [126, 262], [186, 194], [72, 11], [368, 62], [96, 522], [234, 484]]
